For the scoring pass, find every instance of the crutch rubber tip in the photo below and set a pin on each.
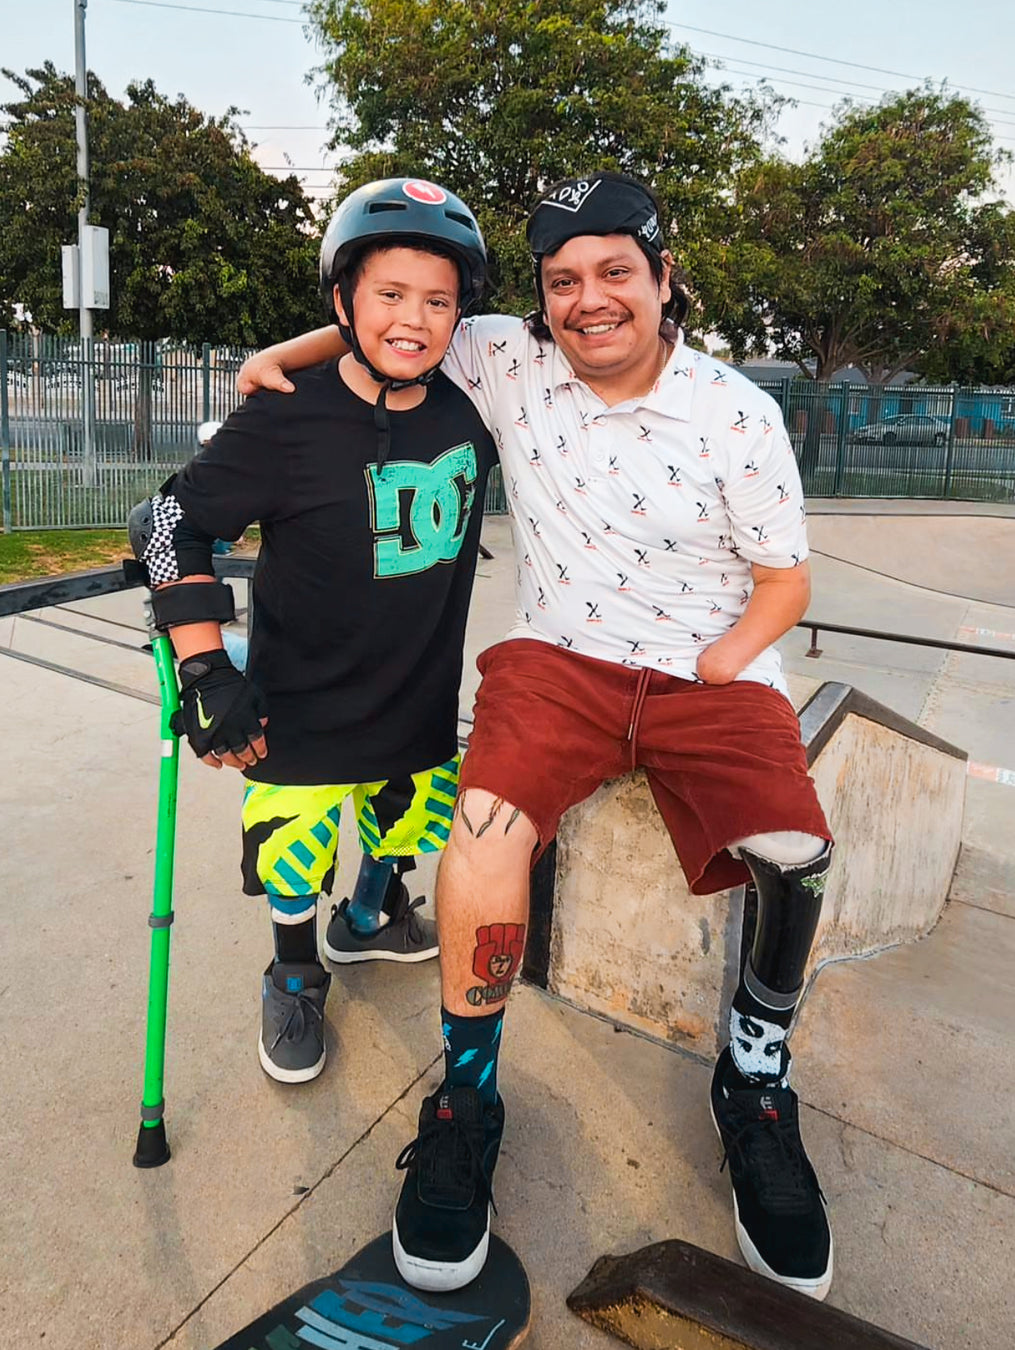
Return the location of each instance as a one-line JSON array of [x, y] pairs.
[[152, 1145]]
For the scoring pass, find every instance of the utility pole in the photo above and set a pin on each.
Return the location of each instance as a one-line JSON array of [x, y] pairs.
[[84, 313]]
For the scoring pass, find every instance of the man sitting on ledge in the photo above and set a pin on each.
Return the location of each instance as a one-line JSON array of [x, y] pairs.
[[661, 552]]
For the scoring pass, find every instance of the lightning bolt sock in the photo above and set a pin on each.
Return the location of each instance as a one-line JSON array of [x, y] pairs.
[[471, 1046]]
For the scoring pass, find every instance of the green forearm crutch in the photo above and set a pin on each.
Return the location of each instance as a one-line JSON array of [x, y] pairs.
[[152, 1145]]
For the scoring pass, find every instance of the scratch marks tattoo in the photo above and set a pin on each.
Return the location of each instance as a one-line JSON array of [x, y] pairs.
[[498, 954], [492, 814]]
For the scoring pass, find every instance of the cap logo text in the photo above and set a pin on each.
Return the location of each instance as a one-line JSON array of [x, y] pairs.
[[571, 196]]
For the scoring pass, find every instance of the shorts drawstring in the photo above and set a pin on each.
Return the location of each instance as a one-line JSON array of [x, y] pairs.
[[640, 692]]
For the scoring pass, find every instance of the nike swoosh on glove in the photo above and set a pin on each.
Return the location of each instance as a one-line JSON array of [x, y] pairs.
[[220, 710]]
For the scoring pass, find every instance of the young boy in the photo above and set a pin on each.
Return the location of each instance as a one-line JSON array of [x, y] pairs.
[[364, 482]]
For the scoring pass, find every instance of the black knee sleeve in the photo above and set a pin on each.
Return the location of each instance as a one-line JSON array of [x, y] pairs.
[[789, 905]]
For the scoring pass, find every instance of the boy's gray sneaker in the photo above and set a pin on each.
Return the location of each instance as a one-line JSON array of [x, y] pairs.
[[291, 1048], [405, 937]]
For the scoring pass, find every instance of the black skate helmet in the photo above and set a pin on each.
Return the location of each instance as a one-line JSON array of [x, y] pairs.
[[396, 211]]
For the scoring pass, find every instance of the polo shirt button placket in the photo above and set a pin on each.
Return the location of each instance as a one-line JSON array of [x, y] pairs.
[[598, 455]]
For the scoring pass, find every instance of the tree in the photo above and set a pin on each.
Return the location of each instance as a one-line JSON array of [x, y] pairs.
[[204, 245], [499, 98], [980, 349], [871, 252]]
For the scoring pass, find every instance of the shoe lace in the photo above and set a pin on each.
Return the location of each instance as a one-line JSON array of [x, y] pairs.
[[773, 1153], [294, 1026], [448, 1158]]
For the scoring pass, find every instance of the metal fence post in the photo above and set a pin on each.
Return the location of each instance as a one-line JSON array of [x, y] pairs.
[[89, 449], [206, 382], [5, 432], [840, 444], [950, 452]]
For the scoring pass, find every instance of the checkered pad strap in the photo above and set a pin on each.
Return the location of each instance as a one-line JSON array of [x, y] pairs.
[[159, 556]]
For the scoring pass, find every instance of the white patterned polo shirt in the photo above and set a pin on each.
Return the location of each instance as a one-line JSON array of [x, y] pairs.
[[635, 526]]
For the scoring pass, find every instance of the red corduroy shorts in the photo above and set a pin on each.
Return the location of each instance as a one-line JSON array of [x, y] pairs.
[[723, 761]]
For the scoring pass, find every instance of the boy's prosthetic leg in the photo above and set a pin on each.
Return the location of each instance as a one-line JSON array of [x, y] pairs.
[[152, 1145]]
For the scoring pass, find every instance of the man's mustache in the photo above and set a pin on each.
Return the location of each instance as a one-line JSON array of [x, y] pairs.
[[595, 321]]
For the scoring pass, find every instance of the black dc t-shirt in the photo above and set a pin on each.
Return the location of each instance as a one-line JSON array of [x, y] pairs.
[[362, 586]]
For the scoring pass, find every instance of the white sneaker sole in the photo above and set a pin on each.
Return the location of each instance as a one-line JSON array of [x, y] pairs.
[[816, 1288], [440, 1276], [288, 1075], [354, 958]]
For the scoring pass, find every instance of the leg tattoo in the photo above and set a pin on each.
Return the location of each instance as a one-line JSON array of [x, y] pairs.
[[492, 815], [498, 954]]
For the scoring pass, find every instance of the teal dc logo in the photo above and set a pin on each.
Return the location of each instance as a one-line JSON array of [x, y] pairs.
[[440, 501]]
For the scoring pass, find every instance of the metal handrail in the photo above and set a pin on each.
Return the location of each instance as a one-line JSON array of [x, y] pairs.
[[969, 648], [22, 596], [18, 597]]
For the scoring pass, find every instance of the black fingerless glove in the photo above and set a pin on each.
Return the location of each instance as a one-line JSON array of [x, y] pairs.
[[220, 710]]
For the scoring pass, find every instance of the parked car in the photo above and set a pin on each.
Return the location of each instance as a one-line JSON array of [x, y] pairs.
[[906, 429]]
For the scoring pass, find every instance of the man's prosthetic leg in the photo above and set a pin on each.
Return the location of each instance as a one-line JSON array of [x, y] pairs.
[[789, 877], [778, 1207]]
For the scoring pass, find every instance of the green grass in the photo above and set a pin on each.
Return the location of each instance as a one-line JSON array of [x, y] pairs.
[[47, 553]]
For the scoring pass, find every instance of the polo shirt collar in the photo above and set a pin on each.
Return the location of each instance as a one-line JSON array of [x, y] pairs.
[[671, 396]]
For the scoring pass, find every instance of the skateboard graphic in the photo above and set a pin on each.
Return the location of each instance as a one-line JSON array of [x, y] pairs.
[[366, 1305]]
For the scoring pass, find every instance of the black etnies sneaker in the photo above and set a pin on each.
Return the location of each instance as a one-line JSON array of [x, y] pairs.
[[442, 1219], [406, 937], [780, 1215], [293, 994]]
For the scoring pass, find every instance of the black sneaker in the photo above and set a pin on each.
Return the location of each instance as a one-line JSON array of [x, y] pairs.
[[779, 1209], [405, 937], [291, 1048], [442, 1219]]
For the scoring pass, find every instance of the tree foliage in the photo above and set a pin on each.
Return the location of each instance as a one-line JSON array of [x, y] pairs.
[[499, 98], [204, 245], [981, 349], [882, 249]]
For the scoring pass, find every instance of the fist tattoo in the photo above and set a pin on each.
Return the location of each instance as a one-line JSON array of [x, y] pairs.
[[498, 954]]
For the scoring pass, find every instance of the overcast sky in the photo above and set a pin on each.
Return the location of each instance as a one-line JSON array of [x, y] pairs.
[[261, 64]]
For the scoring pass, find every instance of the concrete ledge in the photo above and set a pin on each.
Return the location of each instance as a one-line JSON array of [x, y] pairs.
[[616, 931]]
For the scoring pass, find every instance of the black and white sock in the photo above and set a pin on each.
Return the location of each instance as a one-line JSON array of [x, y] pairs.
[[758, 1037]]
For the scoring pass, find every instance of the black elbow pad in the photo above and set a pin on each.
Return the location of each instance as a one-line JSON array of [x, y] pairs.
[[166, 543]]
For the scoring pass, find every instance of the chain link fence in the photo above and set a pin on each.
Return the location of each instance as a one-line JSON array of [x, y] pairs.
[[86, 430], [900, 440]]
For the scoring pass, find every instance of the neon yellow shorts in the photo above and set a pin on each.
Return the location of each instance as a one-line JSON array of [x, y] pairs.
[[290, 834]]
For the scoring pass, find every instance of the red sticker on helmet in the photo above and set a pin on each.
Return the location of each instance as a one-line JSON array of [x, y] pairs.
[[421, 191]]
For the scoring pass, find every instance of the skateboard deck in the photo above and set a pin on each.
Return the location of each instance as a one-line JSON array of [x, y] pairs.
[[366, 1305]]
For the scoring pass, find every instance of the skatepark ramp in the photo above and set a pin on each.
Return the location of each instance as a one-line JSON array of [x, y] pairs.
[[623, 936]]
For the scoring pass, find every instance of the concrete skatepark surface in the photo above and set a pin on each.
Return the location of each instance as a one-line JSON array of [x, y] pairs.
[[903, 1062], [968, 556]]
